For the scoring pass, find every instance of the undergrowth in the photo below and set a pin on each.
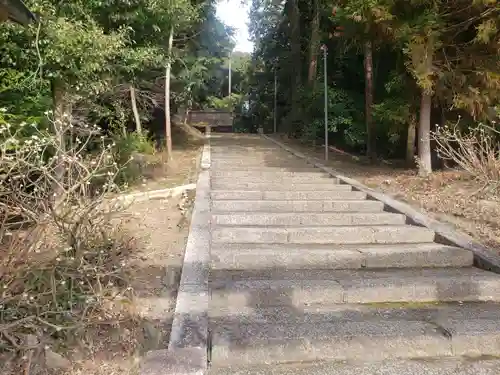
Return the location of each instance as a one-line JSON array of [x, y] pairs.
[[63, 263]]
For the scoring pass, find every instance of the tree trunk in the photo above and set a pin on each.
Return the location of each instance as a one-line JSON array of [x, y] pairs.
[[296, 64], [424, 140], [314, 45], [410, 142], [138, 126], [62, 119], [371, 143], [168, 124]]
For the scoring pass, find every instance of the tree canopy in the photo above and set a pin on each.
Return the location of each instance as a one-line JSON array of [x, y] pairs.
[[394, 68]]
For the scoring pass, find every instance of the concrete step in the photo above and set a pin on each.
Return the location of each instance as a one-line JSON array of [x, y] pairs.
[[302, 168], [307, 218], [296, 206], [436, 366], [289, 195], [279, 186], [263, 161], [436, 312], [298, 288], [267, 257], [218, 164], [251, 154], [382, 234], [319, 179], [268, 174], [236, 343]]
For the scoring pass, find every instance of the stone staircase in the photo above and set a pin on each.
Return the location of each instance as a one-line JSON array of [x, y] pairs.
[[310, 277]]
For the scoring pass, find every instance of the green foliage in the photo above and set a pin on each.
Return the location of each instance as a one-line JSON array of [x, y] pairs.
[[131, 151], [344, 117], [448, 49], [227, 103]]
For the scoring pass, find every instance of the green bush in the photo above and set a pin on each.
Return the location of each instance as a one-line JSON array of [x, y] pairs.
[[131, 151]]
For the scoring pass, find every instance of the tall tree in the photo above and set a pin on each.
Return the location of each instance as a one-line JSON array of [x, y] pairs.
[[314, 42]]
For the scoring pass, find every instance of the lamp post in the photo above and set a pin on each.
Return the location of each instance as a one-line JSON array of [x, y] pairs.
[[324, 48], [230, 73], [275, 120]]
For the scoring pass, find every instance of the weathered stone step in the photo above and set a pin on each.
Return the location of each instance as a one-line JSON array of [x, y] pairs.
[[251, 154], [267, 174], [348, 194], [257, 164], [296, 206], [262, 160], [243, 344], [387, 234], [301, 168], [306, 218], [435, 312], [274, 256], [426, 366], [280, 186], [298, 288], [319, 179], [236, 343]]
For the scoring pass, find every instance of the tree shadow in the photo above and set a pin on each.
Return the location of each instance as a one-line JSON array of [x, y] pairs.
[[275, 317]]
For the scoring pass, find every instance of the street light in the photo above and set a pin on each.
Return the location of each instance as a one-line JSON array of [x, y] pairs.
[[324, 48], [275, 111], [230, 58]]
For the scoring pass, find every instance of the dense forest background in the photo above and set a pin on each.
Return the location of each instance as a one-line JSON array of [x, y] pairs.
[[396, 70]]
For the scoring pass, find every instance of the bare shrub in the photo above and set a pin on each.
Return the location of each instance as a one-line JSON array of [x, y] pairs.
[[476, 151], [62, 262]]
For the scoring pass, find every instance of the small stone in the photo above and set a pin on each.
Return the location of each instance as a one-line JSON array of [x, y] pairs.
[[55, 361]]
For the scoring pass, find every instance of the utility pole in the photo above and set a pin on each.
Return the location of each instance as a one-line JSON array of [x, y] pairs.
[[275, 100], [324, 48]]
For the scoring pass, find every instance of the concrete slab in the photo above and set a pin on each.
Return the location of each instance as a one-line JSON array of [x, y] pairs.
[[428, 366], [420, 285], [274, 179], [268, 173], [327, 287], [387, 234], [271, 256], [237, 344], [278, 186], [338, 194], [296, 206], [308, 219]]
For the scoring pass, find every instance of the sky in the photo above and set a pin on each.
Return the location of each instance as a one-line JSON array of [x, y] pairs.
[[235, 14]]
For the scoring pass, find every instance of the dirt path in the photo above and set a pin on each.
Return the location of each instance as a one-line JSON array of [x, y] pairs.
[[448, 196], [159, 228]]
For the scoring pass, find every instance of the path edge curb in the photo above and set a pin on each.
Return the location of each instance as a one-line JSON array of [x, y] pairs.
[[187, 352], [483, 257]]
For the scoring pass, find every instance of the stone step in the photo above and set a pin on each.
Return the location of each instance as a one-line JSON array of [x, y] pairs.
[[268, 174], [306, 218], [236, 343], [319, 179], [289, 195], [219, 164], [436, 312], [273, 206], [386, 234], [279, 186], [257, 257], [425, 366], [298, 288], [263, 161], [252, 155], [301, 168]]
